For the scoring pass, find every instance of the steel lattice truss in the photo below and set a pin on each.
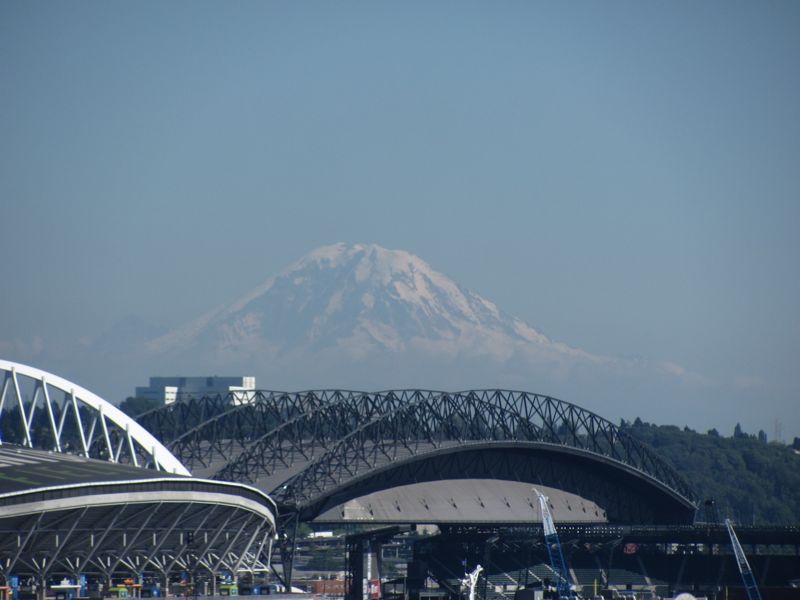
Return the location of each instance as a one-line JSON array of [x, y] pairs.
[[134, 537], [65, 515], [303, 447], [42, 410]]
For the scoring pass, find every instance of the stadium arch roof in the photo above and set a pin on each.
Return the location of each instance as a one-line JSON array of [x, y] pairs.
[[62, 514], [317, 450], [86, 489], [80, 420]]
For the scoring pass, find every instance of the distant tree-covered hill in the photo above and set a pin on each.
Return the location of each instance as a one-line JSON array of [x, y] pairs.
[[751, 480]]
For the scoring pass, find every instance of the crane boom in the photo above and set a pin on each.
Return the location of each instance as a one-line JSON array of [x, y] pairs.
[[553, 546], [744, 567]]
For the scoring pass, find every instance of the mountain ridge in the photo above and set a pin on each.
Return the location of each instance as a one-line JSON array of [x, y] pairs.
[[362, 298], [356, 316]]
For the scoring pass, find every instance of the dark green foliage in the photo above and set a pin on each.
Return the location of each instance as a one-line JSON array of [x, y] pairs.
[[135, 406], [752, 481], [326, 559], [13, 432]]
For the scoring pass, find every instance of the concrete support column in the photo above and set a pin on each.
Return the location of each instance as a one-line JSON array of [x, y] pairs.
[[356, 563], [375, 550], [288, 545], [417, 573]]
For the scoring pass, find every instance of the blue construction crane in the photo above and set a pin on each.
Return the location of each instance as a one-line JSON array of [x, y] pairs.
[[744, 567], [553, 545]]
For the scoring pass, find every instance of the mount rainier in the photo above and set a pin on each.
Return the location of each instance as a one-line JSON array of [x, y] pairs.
[[358, 303], [366, 318]]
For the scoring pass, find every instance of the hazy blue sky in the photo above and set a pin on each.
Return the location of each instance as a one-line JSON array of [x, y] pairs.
[[623, 176]]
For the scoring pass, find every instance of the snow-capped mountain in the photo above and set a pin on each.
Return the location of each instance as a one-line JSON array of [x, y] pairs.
[[367, 318], [359, 300]]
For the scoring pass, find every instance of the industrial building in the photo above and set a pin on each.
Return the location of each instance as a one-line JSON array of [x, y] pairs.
[[168, 389]]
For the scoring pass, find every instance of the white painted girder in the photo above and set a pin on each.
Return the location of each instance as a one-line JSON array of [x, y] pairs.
[[104, 411]]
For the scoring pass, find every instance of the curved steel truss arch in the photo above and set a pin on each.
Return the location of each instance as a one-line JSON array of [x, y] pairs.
[[42, 410], [438, 420], [312, 434], [170, 421], [302, 446], [234, 432]]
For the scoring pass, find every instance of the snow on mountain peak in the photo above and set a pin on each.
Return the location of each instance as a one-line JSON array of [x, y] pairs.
[[358, 297]]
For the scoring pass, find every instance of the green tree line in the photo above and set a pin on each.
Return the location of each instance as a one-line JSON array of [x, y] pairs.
[[751, 480]]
